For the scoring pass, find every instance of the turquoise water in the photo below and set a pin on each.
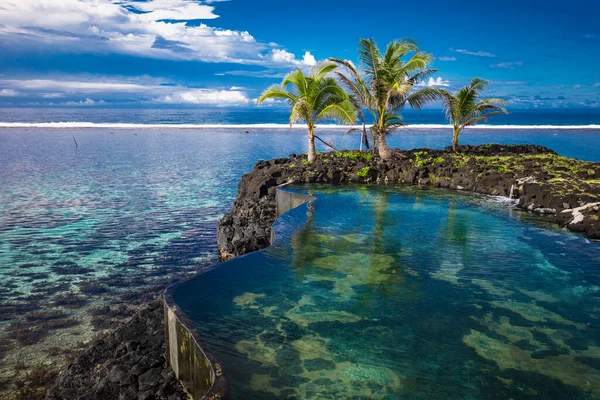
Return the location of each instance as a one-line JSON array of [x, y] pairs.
[[396, 292], [116, 219]]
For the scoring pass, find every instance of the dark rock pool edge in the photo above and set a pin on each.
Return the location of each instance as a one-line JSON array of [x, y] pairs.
[[193, 365]]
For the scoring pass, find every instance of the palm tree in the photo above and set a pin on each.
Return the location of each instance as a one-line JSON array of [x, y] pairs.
[[388, 84], [463, 109], [313, 98]]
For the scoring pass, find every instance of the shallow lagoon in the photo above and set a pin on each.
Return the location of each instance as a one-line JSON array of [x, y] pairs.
[[113, 221], [395, 292]]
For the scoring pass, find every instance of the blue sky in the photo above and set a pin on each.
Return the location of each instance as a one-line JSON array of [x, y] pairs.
[[184, 53]]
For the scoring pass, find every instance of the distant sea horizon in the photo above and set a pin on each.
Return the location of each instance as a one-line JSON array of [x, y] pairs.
[[268, 117]]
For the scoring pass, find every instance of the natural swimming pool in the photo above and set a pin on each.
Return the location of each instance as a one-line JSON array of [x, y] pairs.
[[397, 292]]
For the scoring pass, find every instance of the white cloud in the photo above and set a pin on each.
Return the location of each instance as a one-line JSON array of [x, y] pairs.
[[51, 95], [86, 102], [172, 9], [151, 91], [157, 30], [308, 59], [474, 53], [284, 56], [508, 65], [8, 93], [435, 82], [271, 102], [70, 86], [205, 97], [446, 58], [597, 84]]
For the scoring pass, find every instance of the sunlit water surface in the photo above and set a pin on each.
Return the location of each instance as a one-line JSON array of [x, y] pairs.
[[395, 292], [96, 217]]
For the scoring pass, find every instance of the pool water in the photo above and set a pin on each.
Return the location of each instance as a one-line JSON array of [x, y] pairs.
[[395, 292]]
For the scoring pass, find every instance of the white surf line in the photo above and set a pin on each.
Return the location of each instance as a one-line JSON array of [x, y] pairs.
[[81, 125]]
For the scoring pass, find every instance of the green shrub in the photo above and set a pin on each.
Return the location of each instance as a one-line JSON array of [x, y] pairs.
[[363, 172], [354, 155]]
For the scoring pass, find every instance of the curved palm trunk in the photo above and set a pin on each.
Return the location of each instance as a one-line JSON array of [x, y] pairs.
[[384, 151], [312, 152], [455, 138]]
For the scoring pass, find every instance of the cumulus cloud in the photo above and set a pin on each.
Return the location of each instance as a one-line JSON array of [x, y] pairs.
[[508, 65], [435, 82], [205, 97], [153, 29], [474, 53], [8, 93], [283, 56]]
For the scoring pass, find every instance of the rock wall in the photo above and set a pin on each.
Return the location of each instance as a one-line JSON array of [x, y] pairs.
[[565, 189], [127, 364]]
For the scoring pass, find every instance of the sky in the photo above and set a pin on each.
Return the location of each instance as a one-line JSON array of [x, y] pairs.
[[219, 53]]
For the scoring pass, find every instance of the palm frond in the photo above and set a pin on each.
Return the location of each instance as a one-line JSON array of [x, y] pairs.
[[481, 112], [276, 92], [343, 112], [369, 57], [419, 98], [417, 62], [321, 70], [298, 80]]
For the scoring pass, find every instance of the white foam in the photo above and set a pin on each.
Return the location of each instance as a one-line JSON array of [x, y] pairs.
[[84, 125]]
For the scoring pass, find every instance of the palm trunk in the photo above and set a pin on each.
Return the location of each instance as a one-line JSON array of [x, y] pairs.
[[455, 139], [312, 152], [384, 151]]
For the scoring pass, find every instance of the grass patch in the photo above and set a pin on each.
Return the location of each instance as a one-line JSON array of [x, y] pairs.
[[354, 155], [421, 159]]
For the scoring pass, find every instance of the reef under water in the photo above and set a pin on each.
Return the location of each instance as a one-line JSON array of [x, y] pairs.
[[387, 292]]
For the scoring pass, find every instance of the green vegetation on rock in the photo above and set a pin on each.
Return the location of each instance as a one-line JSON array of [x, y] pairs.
[[363, 172], [354, 155]]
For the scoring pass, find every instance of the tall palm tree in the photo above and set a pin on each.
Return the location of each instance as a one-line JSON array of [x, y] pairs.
[[463, 109], [387, 84], [313, 98]]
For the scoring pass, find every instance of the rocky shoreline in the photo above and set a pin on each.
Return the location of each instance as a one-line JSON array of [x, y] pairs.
[[127, 364], [564, 189]]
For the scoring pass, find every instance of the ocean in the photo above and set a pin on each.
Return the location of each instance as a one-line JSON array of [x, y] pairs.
[[101, 207], [266, 115]]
